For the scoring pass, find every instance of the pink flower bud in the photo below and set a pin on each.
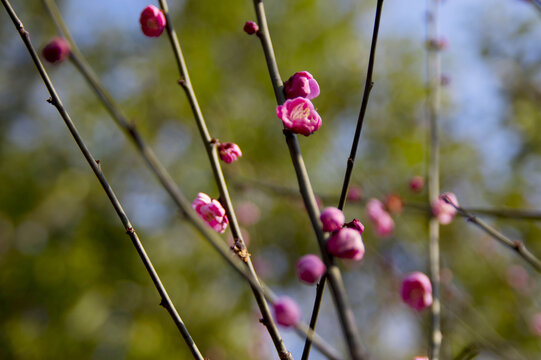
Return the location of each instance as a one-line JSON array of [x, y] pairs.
[[355, 194], [332, 219], [301, 84], [417, 291], [356, 225], [384, 225], [310, 268], [346, 244], [374, 209], [442, 210], [299, 116], [417, 183], [394, 203], [286, 311], [152, 21], [250, 27], [229, 152], [536, 324], [211, 211], [56, 51]]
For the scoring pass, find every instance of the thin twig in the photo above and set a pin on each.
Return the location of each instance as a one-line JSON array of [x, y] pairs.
[[432, 109], [369, 84], [516, 245], [346, 317], [167, 182], [57, 103], [210, 146]]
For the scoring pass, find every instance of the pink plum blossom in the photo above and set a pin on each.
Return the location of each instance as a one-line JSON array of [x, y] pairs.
[[211, 211], [56, 51], [417, 291], [355, 194], [417, 183], [299, 116], [355, 224], [286, 311], [346, 244], [250, 28], [444, 211], [310, 268], [229, 152], [384, 225], [301, 84], [152, 21], [332, 219], [374, 209]]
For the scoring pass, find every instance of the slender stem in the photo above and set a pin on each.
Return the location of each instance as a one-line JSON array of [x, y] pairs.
[[516, 245], [345, 314], [210, 146], [432, 109], [56, 102], [169, 185], [351, 159], [368, 85]]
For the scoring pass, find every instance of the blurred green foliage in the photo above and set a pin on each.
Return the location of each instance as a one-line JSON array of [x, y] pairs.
[[71, 285]]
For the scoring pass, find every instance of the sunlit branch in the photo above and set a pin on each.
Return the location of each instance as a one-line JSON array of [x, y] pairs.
[[57, 103]]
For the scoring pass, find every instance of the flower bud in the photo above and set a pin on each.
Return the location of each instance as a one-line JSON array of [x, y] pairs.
[[299, 116], [417, 183], [355, 194], [152, 21], [332, 219], [229, 152], [301, 84], [211, 211], [310, 268], [56, 51], [417, 291], [394, 203], [444, 211], [346, 244], [250, 27], [286, 311], [356, 225]]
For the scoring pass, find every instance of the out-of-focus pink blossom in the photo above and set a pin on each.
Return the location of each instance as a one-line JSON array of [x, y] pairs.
[[443, 211], [250, 27], [299, 116], [286, 311], [211, 211], [417, 291], [56, 51], [310, 268], [517, 277], [355, 224], [355, 193], [384, 225], [346, 244], [421, 358], [301, 84], [536, 324], [394, 203], [417, 183], [374, 209], [248, 213], [229, 152], [332, 219], [152, 21]]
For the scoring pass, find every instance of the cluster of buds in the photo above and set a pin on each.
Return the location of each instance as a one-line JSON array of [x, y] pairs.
[[345, 241]]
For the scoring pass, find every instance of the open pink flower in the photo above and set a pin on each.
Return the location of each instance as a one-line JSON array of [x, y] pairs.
[[310, 268], [299, 116], [152, 21], [57, 50], [332, 219], [417, 291], [286, 311], [346, 244], [229, 152], [211, 211], [301, 84], [442, 210]]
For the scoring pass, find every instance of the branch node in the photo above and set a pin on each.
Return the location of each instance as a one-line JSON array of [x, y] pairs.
[[130, 231], [163, 303], [182, 82]]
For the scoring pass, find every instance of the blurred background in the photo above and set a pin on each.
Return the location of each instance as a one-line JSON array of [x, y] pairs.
[[72, 286]]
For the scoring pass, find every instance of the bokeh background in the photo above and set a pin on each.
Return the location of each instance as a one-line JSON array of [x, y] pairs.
[[72, 286]]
